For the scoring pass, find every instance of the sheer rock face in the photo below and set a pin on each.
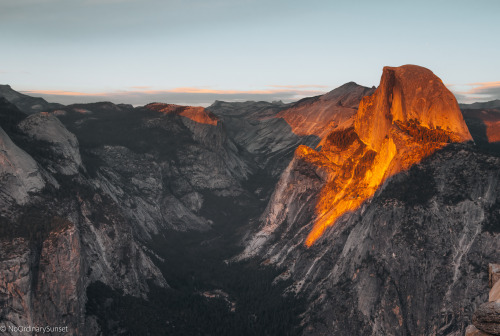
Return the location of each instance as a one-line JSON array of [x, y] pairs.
[[60, 230], [409, 117], [405, 259], [411, 210], [410, 261], [405, 93], [16, 282], [20, 175], [60, 282]]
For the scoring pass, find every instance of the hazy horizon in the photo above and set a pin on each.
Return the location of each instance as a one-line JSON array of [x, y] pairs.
[[204, 99]]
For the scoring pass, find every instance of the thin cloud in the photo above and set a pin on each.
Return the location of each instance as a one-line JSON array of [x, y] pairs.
[[300, 86], [476, 92], [237, 92], [491, 88], [62, 93], [140, 87]]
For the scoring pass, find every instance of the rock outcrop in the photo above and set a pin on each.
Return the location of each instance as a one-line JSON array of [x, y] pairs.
[[409, 93], [45, 127], [26, 103], [20, 175], [389, 210], [409, 117], [473, 331], [486, 319], [484, 125]]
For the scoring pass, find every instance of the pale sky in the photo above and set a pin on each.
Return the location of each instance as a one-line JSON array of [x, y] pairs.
[[196, 51]]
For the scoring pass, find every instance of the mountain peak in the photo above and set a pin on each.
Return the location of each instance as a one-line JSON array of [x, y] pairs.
[[347, 95], [405, 93], [409, 117]]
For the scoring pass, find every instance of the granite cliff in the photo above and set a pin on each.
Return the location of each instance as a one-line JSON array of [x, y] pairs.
[[386, 228]]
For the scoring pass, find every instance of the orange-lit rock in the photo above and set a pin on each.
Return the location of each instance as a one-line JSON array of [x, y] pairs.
[[410, 116], [195, 113], [405, 93]]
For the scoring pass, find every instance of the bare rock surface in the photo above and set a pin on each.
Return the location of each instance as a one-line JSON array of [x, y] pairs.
[[487, 318], [473, 331], [26, 103], [64, 145], [404, 260], [494, 274], [19, 174], [494, 292]]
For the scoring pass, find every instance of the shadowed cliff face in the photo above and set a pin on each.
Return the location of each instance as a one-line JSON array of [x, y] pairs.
[[410, 116], [484, 124]]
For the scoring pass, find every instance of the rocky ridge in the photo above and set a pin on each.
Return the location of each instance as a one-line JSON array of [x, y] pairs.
[[270, 132], [25, 103]]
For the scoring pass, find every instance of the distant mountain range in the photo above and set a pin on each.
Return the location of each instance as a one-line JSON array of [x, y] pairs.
[[364, 211]]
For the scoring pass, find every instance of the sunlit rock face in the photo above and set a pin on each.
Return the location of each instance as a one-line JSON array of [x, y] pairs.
[[413, 215], [409, 117], [406, 119], [383, 231], [409, 93]]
